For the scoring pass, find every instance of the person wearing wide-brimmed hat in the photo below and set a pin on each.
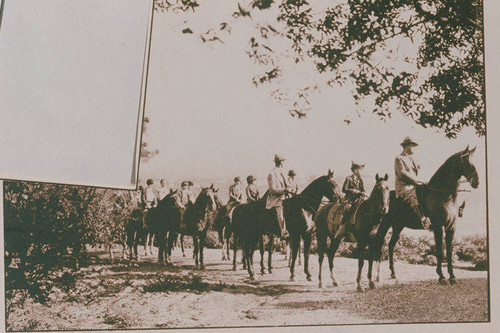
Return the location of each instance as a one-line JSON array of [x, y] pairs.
[[278, 187], [354, 187], [292, 184], [252, 191], [406, 169]]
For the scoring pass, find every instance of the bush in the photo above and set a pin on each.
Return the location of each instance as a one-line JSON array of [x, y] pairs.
[[473, 249]]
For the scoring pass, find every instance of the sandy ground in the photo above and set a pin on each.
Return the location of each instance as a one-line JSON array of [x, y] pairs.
[[121, 295]]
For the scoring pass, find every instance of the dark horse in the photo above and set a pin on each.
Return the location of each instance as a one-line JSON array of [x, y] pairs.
[[367, 218], [162, 221], [198, 218], [134, 229], [252, 220], [222, 225], [438, 199]]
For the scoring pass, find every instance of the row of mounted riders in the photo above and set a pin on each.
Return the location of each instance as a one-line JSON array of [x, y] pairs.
[[374, 216]]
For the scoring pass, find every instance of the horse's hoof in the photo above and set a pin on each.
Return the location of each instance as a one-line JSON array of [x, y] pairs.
[[308, 278], [252, 278], [361, 289], [202, 267], [270, 271], [184, 255], [372, 285], [234, 268], [377, 279], [335, 284], [320, 285], [443, 282], [453, 281], [292, 278], [393, 276]]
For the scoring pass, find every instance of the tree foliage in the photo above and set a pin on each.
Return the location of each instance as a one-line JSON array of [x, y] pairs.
[[47, 228], [422, 58]]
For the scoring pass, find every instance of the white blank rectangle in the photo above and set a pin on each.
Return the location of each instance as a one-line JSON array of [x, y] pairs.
[[71, 90]]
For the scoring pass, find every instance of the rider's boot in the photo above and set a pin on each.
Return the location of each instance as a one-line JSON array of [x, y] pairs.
[[424, 220]]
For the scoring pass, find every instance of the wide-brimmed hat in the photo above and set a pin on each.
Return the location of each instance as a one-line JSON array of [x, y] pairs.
[[292, 173], [185, 183], [278, 157], [356, 165], [190, 183], [251, 179], [408, 141]]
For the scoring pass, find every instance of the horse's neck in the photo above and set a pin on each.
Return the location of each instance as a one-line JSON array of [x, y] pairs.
[[446, 178], [312, 195]]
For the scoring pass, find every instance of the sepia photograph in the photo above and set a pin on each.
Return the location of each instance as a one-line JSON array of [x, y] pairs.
[[302, 163]]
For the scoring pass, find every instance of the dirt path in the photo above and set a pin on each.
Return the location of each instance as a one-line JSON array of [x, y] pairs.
[[126, 295]]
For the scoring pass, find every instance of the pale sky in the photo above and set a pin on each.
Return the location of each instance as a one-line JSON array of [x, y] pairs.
[[209, 122]]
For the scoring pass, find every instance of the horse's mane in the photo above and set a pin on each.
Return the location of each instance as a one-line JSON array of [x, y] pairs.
[[201, 199]]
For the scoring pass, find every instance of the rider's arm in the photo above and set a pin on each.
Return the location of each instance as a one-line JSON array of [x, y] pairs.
[[402, 173], [233, 195], [346, 187]]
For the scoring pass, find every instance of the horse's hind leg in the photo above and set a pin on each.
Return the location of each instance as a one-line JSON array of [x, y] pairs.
[[301, 249], [270, 251], [307, 244], [295, 241], [262, 251], [438, 237], [449, 254], [392, 245]]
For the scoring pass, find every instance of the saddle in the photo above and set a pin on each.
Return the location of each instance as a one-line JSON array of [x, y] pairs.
[[335, 219]]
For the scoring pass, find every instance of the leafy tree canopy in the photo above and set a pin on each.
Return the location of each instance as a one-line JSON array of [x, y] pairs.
[[421, 58]]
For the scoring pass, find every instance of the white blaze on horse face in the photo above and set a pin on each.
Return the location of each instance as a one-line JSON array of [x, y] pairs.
[[211, 195]]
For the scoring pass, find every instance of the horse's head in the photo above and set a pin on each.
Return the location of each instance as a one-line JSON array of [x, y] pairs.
[[467, 169], [381, 193], [330, 189], [206, 199], [218, 201]]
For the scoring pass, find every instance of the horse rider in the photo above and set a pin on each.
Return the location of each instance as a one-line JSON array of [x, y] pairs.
[[252, 190], [150, 199], [406, 169], [278, 187], [235, 194], [292, 184], [163, 190], [185, 195], [354, 192]]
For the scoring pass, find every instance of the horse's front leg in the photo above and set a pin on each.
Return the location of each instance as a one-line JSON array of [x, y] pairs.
[[370, 267], [438, 237], [228, 245], [223, 241], [235, 251], [182, 245], [361, 260], [195, 251], [307, 244], [270, 253], [335, 243], [201, 246], [295, 241], [392, 245], [449, 255]]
